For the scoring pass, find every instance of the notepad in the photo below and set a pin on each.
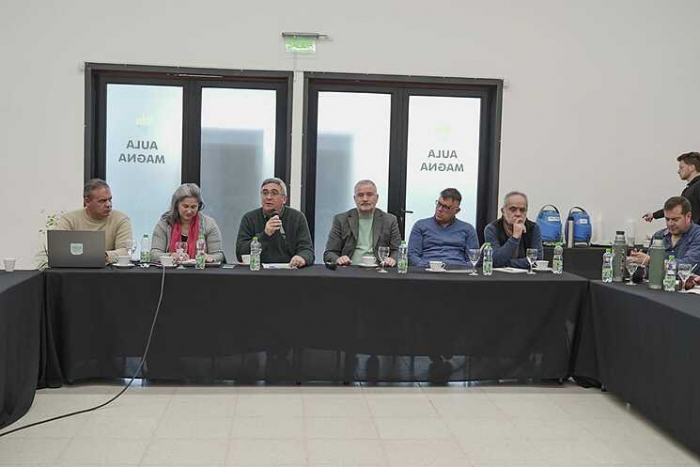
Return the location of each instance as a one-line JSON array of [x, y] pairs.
[[276, 266], [511, 270]]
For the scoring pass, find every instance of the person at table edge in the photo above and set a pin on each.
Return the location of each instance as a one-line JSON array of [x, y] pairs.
[[442, 237], [362, 230], [282, 231], [681, 237], [98, 215], [183, 222], [513, 233]]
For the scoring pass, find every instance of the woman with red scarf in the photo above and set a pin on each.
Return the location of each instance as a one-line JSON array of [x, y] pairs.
[[183, 222]]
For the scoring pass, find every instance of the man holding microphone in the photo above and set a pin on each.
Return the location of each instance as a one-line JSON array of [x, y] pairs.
[[282, 231]]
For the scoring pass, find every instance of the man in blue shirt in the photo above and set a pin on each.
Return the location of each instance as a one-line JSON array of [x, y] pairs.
[[681, 237], [512, 234], [442, 237]]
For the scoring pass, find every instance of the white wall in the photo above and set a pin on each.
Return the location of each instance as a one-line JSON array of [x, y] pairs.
[[602, 94]]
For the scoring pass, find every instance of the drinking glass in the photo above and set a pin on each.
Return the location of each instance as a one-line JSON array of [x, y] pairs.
[[130, 248], [531, 254], [180, 252], [474, 254], [383, 253], [684, 272], [632, 266]]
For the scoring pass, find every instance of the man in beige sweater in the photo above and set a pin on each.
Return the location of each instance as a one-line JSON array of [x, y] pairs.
[[98, 215]]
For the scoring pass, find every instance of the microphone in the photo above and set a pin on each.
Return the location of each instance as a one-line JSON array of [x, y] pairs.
[[282, 232], [332, 265]]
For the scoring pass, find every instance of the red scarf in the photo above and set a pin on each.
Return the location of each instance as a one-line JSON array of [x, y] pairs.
[[192, 237]]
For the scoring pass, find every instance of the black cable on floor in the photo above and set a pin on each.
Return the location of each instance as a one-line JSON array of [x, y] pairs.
[[136, 373]]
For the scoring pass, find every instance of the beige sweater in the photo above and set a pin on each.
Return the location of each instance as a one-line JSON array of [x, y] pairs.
[[117, 229]]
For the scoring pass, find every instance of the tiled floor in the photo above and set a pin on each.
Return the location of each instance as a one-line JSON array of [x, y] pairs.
[[403, 426]]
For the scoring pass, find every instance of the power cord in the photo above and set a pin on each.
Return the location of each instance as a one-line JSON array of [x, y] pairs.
[[136, 373]]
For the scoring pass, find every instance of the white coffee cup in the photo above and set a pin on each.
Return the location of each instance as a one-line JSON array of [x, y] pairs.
[[245, 259], [542, 264], [368, 260], [166, 260], [9, 264], [436, 265], [123, 260]]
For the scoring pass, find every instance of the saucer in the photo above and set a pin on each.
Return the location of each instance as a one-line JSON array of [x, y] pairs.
[[362, 265], [542, 269], [172, 266], [436, 270], [124, 266]]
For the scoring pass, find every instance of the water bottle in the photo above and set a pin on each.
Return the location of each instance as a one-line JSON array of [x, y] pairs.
[[656, 264], [402, 264], [487, 264], [201, 258], [145, 249], [255, 250], [558, 259], [607, 266], [619, 252], [670, 277]]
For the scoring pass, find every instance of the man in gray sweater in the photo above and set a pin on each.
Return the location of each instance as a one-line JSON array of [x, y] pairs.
[[282, 231]]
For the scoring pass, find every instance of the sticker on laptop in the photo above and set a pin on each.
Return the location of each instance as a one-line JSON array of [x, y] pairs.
[[76, 249]]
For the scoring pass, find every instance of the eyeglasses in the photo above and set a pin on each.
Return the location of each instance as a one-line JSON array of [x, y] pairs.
[[273, 193], [444, 207]]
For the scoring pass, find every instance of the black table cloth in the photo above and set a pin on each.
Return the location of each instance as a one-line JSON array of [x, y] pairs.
[[583, 261], [311, 324], [646, 346], [21, 307]]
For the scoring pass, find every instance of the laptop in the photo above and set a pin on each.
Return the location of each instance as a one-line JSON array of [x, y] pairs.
[[76, 249]]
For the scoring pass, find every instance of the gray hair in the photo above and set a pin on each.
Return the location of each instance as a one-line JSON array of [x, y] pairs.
[[92, 185], [515, 193], [186, 190], [365, 182], [276, 181]]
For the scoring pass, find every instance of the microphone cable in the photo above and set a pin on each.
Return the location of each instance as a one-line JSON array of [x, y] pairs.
[[136, 373]]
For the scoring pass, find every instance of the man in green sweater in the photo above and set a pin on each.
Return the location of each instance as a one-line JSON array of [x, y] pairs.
[[98, 215], [281, 230]]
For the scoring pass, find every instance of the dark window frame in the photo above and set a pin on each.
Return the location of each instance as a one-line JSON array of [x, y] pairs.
[[192, 80], [490, 91]]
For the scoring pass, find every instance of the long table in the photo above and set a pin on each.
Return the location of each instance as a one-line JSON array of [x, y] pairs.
[[21, 307], [311, 324], [644, 346]]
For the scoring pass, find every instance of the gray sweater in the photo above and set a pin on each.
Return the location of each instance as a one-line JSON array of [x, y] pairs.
[[212, 235]]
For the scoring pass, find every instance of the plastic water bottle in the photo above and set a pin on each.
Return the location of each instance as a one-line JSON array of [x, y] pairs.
[[487, 263], [607, 266], [558, 259], [145, 249], [255, 250], [402, 264], [201, 258], [670, 278]]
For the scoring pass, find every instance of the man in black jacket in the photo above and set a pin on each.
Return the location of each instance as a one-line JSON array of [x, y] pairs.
[[688, 170]]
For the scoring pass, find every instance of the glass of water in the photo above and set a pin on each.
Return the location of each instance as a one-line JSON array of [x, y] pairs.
[[131, 248], [474, 254], [180, 252], [383, 253], [684, 272], [531, 255], [632, 265]]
